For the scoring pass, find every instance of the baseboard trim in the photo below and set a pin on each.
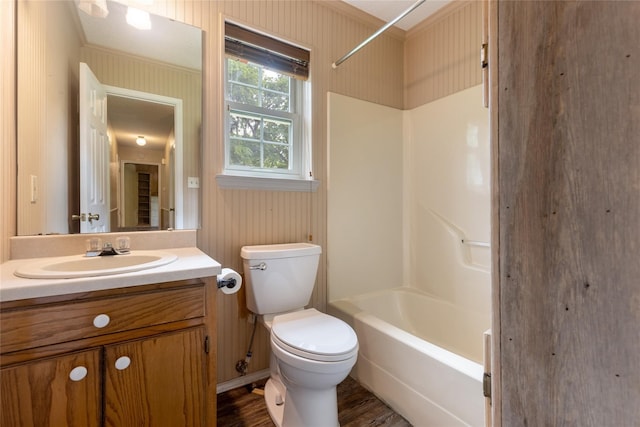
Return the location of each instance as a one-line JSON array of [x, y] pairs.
[[242, 381]]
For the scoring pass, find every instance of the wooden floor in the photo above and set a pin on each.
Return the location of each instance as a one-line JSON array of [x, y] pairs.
[[357, 407]]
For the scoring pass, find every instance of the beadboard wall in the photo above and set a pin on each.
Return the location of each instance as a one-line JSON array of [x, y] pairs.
[[233, 218], [7, 127], [442, 54], [48, 84]]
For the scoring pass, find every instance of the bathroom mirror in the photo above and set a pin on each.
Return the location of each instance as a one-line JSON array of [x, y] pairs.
[[153, 86]]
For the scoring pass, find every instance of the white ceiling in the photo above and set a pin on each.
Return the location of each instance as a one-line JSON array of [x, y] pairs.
[[131, 117], [167, 41], [387, 10]]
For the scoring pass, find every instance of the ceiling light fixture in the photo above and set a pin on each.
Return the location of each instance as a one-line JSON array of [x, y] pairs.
[[141, 141], [138, 18]]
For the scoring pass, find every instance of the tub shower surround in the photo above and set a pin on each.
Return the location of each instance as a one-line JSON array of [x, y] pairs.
[[409, 260]]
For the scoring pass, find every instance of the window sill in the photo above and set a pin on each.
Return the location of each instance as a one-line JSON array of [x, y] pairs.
[[241, 182]]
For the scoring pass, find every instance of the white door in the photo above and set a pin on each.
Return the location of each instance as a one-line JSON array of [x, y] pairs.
[[94, 154]]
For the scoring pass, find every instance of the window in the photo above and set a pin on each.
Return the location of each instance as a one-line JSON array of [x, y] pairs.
[[264, 115], [262, 119]]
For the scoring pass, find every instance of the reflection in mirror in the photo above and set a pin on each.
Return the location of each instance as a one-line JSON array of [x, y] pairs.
[[158, 121], [141, 199], [153, 82]]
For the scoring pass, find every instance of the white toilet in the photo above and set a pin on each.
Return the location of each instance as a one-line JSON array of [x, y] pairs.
[[311, 352]]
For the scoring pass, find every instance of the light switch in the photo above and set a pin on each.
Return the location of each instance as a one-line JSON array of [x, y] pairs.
[[193, 182]]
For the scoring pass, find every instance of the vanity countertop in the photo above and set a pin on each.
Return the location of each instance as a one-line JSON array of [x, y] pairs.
[[192, 263]]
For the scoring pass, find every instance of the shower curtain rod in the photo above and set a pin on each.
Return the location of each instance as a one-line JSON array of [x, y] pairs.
[[376, 34]]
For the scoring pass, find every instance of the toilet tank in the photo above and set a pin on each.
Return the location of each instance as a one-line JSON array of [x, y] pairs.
[[279, 278]]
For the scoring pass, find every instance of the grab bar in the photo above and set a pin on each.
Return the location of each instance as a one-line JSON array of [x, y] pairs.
[[476, 243]]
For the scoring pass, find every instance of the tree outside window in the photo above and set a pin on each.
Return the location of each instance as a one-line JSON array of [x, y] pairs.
[[261, 117]]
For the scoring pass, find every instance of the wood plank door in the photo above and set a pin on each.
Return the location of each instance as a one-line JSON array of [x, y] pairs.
[[566, 150], [94, 153]]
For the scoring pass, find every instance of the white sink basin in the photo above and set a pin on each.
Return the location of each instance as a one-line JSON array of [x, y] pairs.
[[70, 267]]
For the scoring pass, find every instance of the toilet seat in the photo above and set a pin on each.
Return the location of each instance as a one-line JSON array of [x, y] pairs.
[[314, 335]]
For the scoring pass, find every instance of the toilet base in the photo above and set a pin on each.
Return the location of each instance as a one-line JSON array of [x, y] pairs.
[[271, 394], [319, 407]]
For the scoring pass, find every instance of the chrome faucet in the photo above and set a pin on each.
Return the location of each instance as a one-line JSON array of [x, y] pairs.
[[95, 250], [93, 246], [108, 249]]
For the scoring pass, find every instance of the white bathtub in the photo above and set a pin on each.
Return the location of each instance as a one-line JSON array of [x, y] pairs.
[[420, 355]]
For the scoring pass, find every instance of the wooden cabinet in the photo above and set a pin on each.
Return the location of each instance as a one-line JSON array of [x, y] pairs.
[[155, 381], [41, 392], [131, 356]]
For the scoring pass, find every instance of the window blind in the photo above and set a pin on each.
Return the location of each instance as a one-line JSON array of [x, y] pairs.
[[258, 48]]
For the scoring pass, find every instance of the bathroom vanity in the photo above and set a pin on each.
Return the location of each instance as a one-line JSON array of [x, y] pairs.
[[120, 350]]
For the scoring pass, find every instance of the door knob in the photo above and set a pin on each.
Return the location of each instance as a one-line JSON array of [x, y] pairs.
[[84, 217], [101, 320], [122, 363], [78, 373], [91, 217]]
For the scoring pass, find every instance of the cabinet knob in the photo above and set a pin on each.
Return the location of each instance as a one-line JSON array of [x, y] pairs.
[[122, 363], [101, 320], [78, 373]]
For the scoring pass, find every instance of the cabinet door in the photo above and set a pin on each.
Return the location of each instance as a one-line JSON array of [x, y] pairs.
[[60, 391], [157, 381]]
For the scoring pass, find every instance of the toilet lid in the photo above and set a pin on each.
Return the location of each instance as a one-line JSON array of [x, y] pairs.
[[314, 335]]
